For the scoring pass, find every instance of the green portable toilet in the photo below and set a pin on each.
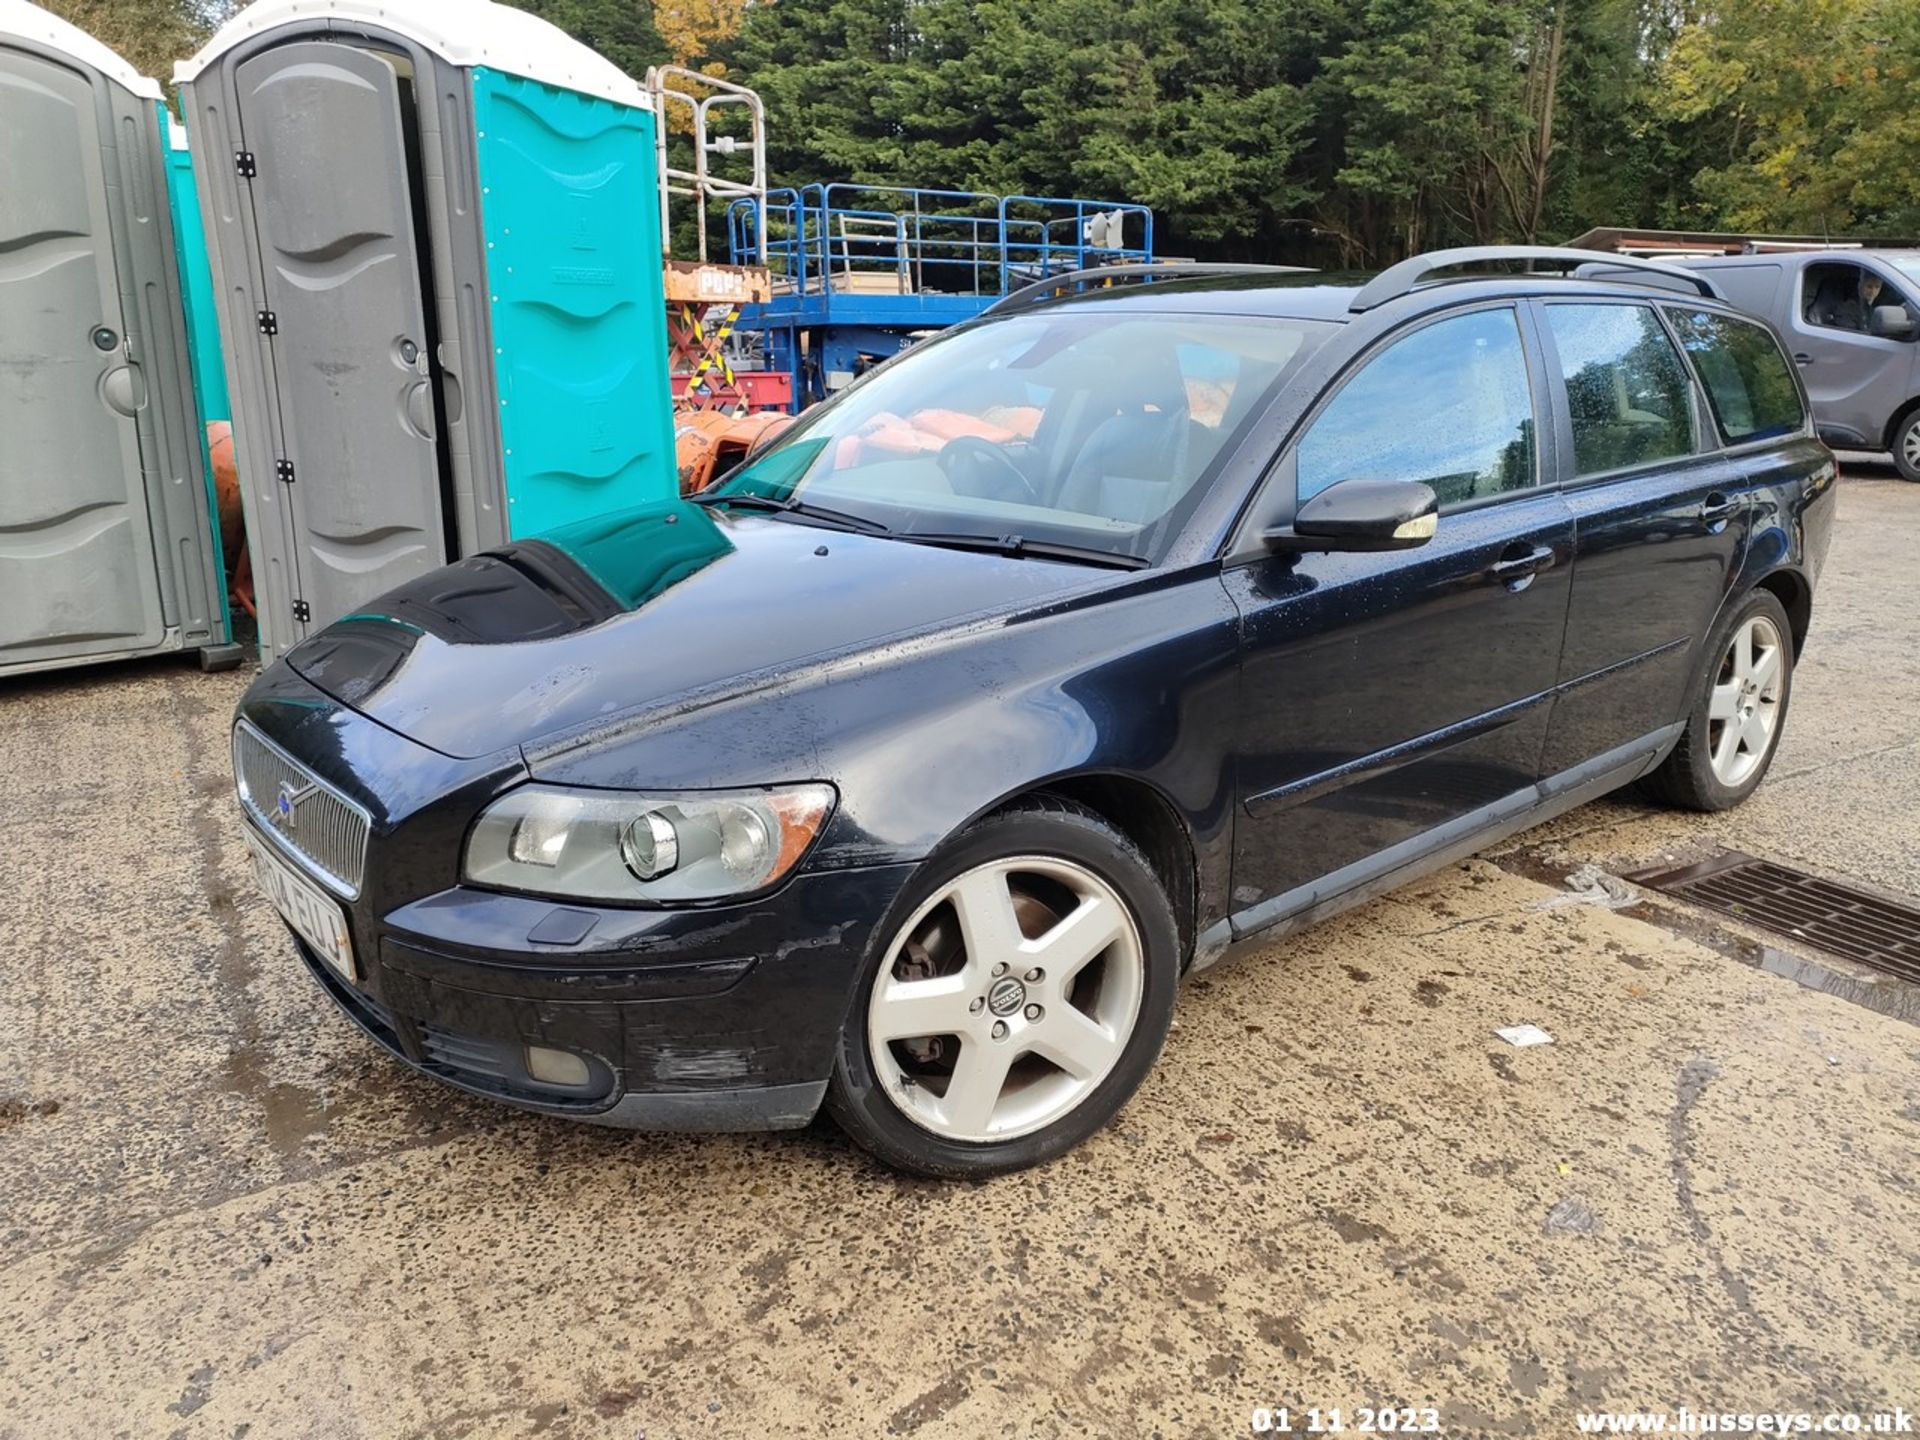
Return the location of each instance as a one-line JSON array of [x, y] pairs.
[[434, 227], [196, 277], [108, 540]]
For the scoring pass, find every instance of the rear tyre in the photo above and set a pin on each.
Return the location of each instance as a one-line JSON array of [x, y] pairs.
[[1016, 996], [1739, 709], [1906, 448]]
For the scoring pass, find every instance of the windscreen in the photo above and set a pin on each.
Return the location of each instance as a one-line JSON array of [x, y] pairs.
[[1074, 427], [1907, 264]]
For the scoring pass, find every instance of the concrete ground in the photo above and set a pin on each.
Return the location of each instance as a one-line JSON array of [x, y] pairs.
[[223, 1213]]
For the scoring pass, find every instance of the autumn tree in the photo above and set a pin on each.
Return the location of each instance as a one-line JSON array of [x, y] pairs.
[[1800, 114], [693, 29]]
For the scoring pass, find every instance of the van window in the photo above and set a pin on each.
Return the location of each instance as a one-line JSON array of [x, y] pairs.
[[1749, 383], [1629, 394], [1449, 405], [1838, 295]]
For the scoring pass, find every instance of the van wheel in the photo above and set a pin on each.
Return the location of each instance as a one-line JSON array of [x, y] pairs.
[[1906, 448], [1015, 998], [1739, 709]]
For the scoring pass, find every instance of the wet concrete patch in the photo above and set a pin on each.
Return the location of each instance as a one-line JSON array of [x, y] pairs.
[[13, 1111]]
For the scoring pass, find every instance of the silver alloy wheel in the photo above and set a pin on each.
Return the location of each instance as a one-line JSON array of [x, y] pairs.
[[1910, 444], [1041, 978], [1743, 708]]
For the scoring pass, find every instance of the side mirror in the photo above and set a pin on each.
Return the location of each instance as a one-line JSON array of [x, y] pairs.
[[1361, 515], [1891, 322]]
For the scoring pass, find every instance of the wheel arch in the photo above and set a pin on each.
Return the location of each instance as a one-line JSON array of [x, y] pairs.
[[1899, 419], [1144, 814], [1795, 595]]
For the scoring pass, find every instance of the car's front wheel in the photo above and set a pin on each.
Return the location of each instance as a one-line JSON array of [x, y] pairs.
[[1906, 448], [1739, 709], [1018, 996]]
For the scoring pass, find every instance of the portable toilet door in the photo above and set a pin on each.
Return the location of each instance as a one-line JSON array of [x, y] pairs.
[[435, 235], [107, 545]]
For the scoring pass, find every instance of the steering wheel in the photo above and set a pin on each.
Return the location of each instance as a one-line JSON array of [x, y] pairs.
[[987, 461]]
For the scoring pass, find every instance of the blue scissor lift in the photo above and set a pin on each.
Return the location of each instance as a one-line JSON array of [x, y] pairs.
[[861, 271]]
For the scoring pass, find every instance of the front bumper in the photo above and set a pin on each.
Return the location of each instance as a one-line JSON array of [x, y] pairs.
[[496, 1067], [718, 1019], [715, 1018]]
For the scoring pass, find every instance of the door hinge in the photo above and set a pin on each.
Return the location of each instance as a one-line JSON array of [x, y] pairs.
[[302, 611], [269, 323], [283, 471], [243, 165]]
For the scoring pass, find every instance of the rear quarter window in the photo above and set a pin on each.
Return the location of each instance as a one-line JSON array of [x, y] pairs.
[[1749, 383]]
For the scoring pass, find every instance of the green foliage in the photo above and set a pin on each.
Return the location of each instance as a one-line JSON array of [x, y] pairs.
[[1183, 105], [1359, 131], [1801, 114], [621, 30], [148, 34], [1322, 130]]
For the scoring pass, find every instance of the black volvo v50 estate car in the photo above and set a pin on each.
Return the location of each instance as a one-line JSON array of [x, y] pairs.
[[908, 770]]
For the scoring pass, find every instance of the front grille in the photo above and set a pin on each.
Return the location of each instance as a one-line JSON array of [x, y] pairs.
[[1837, 918], [474, 1058], [311, 821]]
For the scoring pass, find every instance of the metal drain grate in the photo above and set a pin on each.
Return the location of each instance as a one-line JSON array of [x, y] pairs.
[[1837, 918]]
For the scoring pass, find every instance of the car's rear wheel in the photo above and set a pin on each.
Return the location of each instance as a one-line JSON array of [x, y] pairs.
[[1906, 448], [1019, 994], [1739, 709]]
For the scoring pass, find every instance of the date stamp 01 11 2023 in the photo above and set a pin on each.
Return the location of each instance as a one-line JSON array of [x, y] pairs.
[[1333, 1420]]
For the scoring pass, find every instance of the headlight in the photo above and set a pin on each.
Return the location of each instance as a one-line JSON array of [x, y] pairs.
[[660, 849]]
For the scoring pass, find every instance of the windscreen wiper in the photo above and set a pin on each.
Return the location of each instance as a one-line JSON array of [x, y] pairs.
[[746, 500], [1021, 547]]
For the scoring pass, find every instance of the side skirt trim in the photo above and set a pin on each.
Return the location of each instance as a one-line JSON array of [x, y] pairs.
[[1391, 868]]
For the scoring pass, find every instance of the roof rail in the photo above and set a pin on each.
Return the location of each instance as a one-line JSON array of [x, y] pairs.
[[1055, 285], [1398, 280]]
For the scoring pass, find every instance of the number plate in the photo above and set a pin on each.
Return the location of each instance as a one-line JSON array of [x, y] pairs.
[[316, 916]]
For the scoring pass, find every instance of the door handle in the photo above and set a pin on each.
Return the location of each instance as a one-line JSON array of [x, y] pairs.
[[1718, 507], [1800, 357], [1513, 567], [418, 403], [124, 389]]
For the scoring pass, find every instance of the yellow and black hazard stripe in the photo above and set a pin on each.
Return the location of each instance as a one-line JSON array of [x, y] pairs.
[[716, 353]]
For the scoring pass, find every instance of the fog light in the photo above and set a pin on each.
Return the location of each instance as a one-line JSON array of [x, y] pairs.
[[556, 1067]]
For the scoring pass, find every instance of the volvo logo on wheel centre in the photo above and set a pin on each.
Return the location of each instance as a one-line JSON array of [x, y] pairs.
[[1006, 996]]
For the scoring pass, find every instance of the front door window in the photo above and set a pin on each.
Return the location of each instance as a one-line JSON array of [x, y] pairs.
[[1449, 405], [1839, 295]]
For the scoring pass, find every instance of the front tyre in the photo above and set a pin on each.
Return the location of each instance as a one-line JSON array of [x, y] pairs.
[[1739, 710], [1906, 448], [1018, 995]]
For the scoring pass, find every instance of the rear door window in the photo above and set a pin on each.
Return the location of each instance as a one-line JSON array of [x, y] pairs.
[[1450, 405], [1749, 383], [1629, 395]]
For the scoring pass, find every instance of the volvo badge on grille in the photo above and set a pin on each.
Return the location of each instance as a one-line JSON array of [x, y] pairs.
[[287, 802]]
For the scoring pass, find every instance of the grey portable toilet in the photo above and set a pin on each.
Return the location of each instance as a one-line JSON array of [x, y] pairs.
[[107, 530], [435, 237]]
